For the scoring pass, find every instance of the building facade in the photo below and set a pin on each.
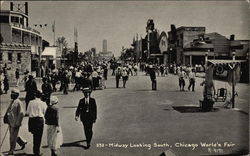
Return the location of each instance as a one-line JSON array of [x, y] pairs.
[[16, 35]]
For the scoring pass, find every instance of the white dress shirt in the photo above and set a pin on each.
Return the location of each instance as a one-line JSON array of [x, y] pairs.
[[36, 108]]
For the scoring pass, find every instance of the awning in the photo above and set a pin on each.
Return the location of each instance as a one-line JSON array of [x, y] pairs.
[[49, 51], [215, 62]]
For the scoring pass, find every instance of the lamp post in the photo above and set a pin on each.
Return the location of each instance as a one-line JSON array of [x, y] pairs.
[[233, 81], [206, 59]]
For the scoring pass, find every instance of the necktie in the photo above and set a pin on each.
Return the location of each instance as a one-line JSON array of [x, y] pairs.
[[87, 103]]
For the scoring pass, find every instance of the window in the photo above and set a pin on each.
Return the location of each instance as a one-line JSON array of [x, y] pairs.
[[4, 19], [19, 56], [1, 57], [10, 57]]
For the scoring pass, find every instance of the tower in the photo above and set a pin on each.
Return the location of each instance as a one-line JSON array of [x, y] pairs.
[[104, 46]]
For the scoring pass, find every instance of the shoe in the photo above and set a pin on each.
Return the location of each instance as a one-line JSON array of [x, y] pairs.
[[88, 146], [23, 145]]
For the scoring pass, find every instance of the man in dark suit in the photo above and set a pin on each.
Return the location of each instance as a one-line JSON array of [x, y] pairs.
[[87, 111], [31, 89], [152, 77]]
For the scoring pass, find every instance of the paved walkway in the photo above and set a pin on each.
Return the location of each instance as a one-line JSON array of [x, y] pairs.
[[138, 121]]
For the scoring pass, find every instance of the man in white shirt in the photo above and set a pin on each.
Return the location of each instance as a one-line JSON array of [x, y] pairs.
[[191, 76], [36, 111]]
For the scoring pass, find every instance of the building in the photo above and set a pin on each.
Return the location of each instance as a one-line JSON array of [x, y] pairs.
[[104, 55], [104, 46], [20, 41], [179, 40], [51, 57]]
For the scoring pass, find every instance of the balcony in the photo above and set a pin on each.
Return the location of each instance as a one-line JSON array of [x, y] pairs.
[[22, 27]]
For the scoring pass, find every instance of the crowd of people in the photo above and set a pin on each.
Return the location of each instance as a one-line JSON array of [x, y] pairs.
[[41, 104]]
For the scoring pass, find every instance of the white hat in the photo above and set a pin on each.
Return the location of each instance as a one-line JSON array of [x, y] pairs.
[[53, 100], [15, 91], [86, 90]]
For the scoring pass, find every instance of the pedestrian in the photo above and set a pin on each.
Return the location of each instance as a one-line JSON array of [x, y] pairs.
[[135, 70], [54, 131], [25, 78], [1, 81], [117, 76], [124, 76], [95, 79], [181, 75], [152, 77], [31, 89], [54, 79], [87, 110], [15, 114], [191, 76], [36, 111], [77, 80], [46, 90], [6, 83], [17, 75]]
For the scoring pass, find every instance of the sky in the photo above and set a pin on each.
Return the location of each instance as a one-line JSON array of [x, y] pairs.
[[119, 21]]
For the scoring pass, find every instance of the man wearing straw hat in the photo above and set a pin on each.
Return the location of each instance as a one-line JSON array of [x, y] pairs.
[[87, 111], [15, 113]]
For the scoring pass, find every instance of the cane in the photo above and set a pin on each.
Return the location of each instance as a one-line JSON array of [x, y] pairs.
[[4, 137]]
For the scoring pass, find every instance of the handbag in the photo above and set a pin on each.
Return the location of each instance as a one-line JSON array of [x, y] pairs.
[[5, 119]]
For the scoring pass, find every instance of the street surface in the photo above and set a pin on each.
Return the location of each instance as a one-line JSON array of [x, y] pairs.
[[138, 121]]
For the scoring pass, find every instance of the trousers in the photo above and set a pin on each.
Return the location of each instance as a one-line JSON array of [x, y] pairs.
[[88, 131], [36, 126]]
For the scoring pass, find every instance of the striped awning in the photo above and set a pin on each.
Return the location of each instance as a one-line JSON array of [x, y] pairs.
[[217, 62]]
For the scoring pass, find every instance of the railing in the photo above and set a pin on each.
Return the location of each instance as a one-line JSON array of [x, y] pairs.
[[24, 27]]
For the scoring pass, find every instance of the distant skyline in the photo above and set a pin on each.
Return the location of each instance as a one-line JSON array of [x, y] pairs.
[[119, 21]]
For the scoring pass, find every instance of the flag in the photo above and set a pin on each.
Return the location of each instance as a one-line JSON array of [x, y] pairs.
[[53, 27]]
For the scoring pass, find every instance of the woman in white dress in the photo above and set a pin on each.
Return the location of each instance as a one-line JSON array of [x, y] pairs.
[[54, 132]]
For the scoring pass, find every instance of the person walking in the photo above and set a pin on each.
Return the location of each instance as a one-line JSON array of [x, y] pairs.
[[15, 114], [31, 89], [17, 75], [47, 90], [117, 76], [124, 76], [36, 111], [152, 77], [87, 110], [181, 75], [95, 79], [6, 84], [54, 131], [191, 76]]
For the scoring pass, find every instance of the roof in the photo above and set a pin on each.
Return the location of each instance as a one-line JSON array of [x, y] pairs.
[[225, 61], [49, 51]]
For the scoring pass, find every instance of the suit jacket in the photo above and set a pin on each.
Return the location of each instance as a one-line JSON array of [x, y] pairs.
[[15, 113], [81, 110]]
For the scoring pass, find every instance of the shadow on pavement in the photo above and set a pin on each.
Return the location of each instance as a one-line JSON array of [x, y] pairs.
[[191, 109], [74, 144]]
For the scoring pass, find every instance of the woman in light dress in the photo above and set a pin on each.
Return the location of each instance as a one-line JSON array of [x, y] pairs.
[[54, 131]]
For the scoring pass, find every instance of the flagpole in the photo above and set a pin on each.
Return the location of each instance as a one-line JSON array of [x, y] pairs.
[[54, 33]]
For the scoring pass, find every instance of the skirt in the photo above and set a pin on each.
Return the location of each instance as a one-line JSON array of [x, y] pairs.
[[54, 139]]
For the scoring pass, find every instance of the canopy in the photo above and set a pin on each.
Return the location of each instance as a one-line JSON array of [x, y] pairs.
[[215, 62], [50, 51]]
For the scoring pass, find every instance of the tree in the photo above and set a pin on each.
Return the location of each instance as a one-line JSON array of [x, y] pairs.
[[62, 43]]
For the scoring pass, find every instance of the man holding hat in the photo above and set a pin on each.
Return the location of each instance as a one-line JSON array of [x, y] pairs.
[[15, 114], [87, 111]]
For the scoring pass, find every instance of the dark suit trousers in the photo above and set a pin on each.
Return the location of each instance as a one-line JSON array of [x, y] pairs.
[[88, 131], [117, 82], [36, 128], [154, 85]]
